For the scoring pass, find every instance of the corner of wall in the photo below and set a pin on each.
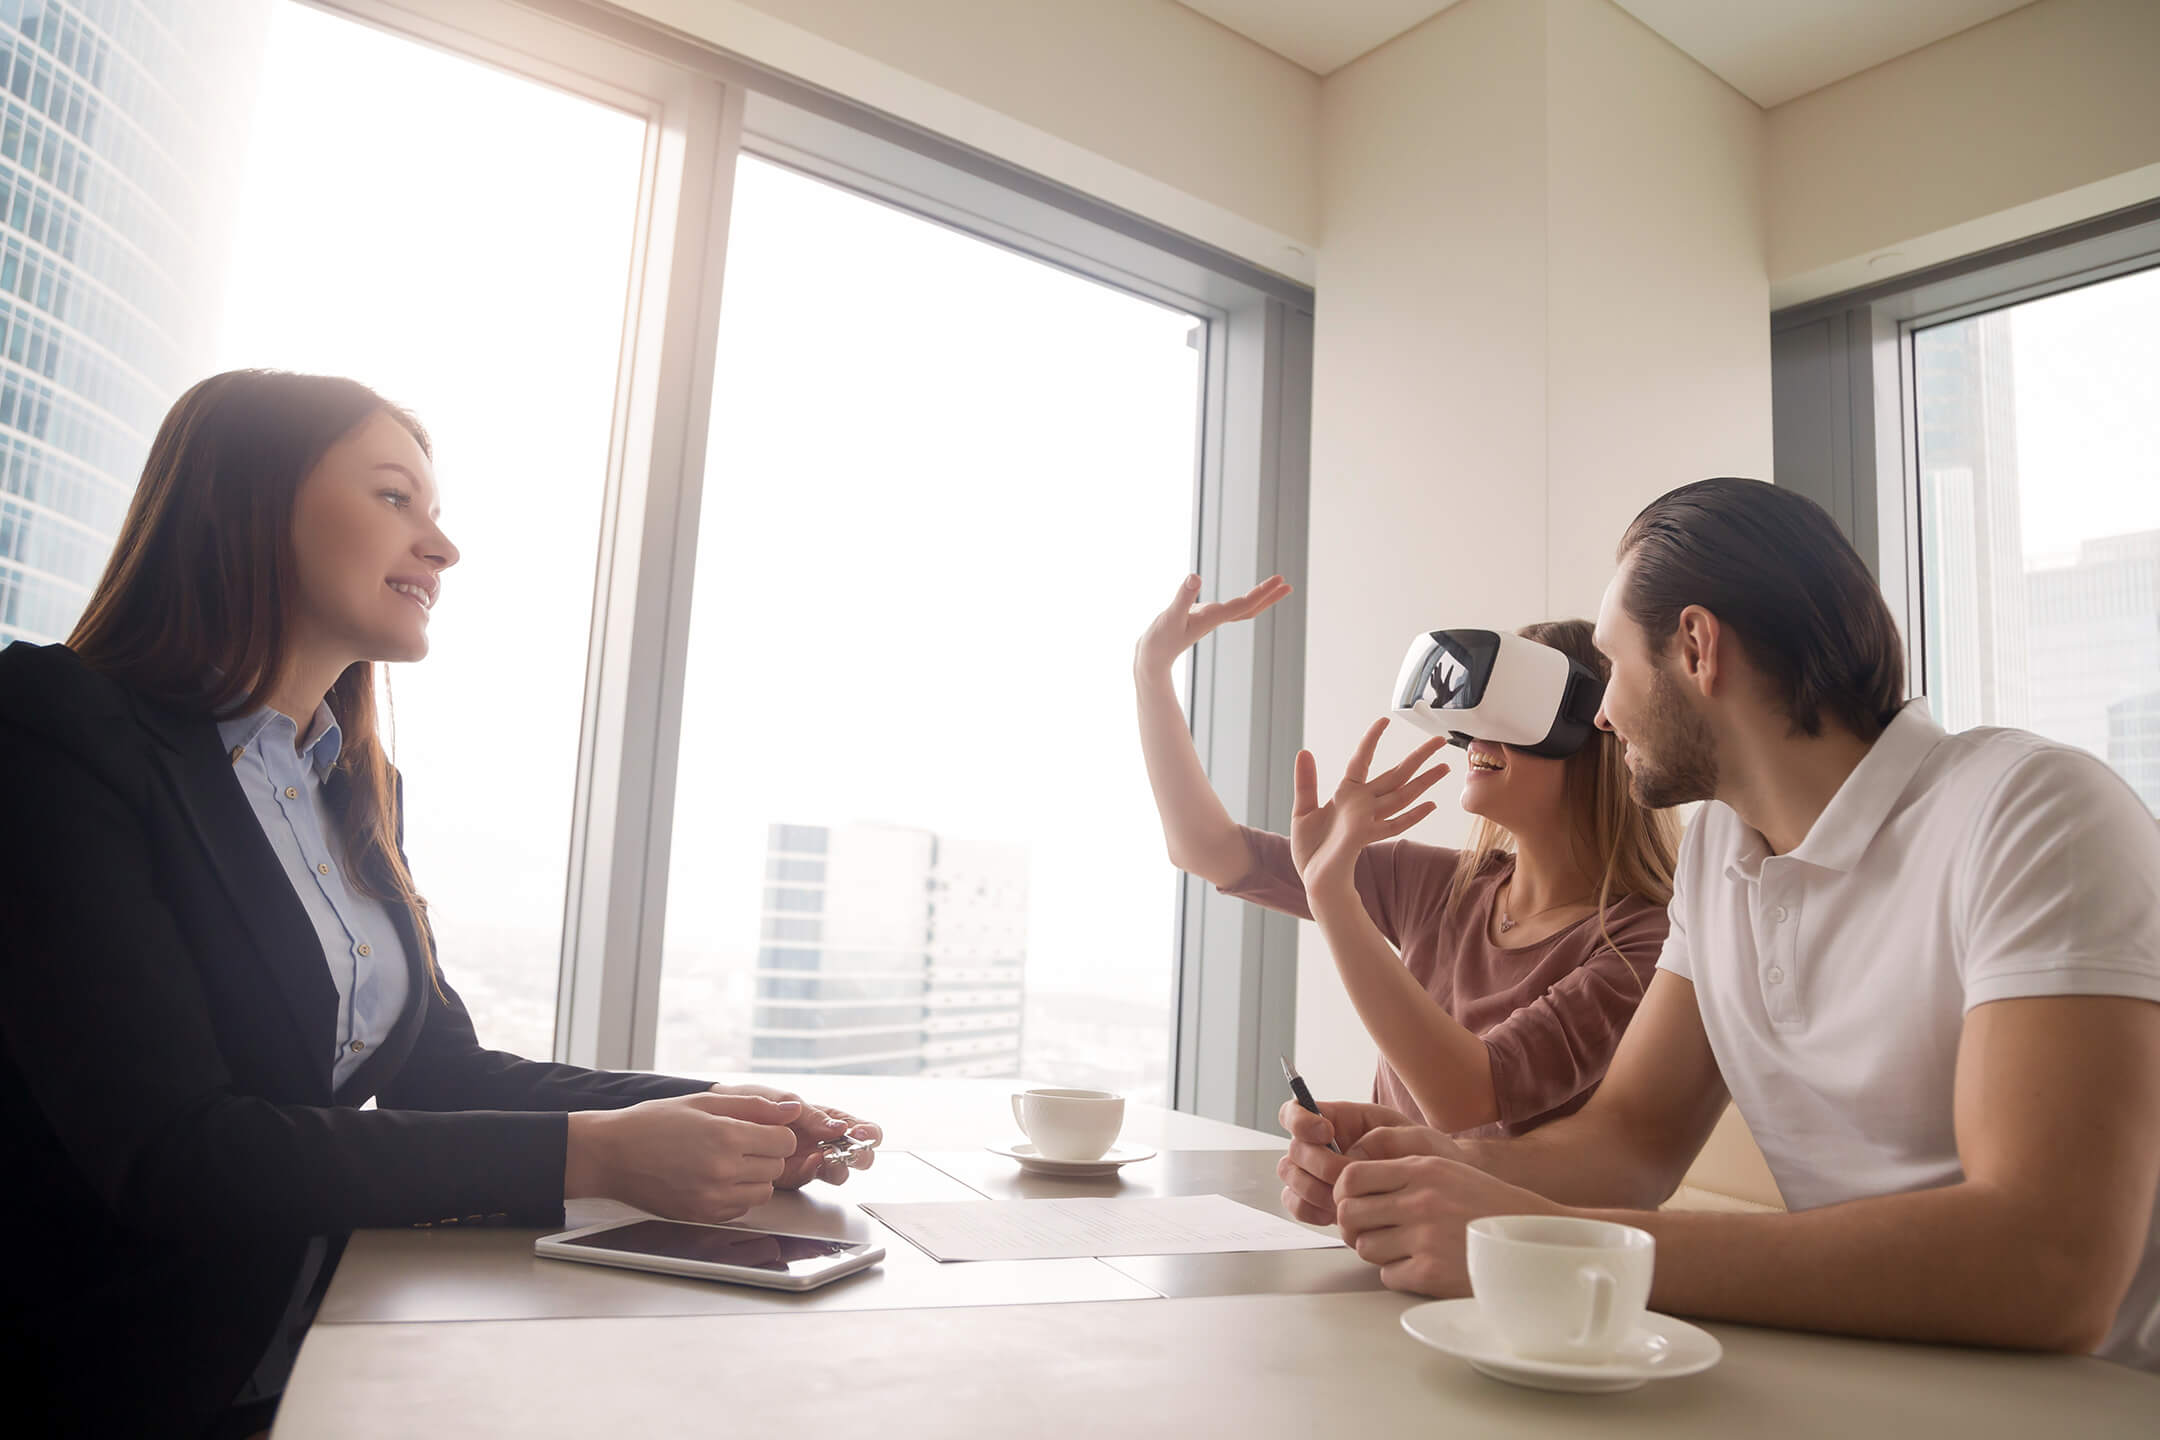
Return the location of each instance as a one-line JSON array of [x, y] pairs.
[[2038, 119]]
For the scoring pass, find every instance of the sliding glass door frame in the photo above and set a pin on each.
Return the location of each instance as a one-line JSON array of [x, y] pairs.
[[1233, 966]]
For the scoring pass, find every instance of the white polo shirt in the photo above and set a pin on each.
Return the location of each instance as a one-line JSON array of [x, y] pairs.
[[1947, 871]]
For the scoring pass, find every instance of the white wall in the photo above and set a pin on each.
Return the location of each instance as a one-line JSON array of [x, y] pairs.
[[1141, 103], [2041, 118], [1658, 362], [1543, 302]]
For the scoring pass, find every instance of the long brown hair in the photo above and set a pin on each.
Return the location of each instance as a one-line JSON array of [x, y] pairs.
[[1630, 849], [191, 610]]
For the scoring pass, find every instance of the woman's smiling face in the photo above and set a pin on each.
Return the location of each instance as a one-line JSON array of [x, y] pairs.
[[367, 547], [1512, 789]]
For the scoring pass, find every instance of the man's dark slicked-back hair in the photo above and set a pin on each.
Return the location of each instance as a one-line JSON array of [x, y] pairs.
[[1775, 570]]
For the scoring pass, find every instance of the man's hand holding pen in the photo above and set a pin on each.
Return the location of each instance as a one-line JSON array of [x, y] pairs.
[[1365, 1132]]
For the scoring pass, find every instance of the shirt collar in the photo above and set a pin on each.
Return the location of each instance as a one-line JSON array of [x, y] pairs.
[[1850, 822], [321, 749]]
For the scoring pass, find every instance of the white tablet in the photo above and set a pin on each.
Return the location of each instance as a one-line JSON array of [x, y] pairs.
[[714, 1252]]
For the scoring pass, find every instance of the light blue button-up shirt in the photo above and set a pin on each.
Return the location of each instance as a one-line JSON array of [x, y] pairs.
[[282, 777]]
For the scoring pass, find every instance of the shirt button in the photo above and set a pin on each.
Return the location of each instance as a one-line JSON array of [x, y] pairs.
[[358, 1046], [1779, 914], [322, 869], [363, 949], [291, 793], [1776, 976]]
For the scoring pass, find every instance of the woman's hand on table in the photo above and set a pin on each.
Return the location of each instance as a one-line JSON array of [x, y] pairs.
[[705, 1157], [1309, 1170], [815, 1126], [1325, 840]]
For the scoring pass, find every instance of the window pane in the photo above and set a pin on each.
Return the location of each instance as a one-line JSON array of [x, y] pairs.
[[119, 147], [947, 487], [2040, 520], [460, 240]]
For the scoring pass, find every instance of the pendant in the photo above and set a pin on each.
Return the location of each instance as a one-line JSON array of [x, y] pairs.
[[1507, 922]]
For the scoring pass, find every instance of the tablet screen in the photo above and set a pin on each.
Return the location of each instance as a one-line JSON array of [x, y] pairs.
[[716, 1245]]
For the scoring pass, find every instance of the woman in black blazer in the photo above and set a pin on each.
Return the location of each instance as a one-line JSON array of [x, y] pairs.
[[180, 1072]]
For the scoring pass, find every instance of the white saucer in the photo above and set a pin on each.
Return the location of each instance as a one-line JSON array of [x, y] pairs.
[[1658, 1348], [1037, 1164]]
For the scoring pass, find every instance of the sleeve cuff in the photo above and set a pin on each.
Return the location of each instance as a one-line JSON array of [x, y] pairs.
[[2062, 980]]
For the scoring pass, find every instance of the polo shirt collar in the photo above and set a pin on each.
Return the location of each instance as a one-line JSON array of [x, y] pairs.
[[1850, 822]]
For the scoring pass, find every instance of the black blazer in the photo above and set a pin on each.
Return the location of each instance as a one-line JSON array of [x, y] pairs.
[[169, 1139]]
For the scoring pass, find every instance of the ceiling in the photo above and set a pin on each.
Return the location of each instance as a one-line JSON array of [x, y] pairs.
[[1768, 50]]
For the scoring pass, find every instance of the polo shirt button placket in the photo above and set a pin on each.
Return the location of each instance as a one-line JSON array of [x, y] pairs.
[[1778, 975]]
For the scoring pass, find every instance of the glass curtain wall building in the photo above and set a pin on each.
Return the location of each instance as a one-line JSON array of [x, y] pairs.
[[121, 145], [888, 950]]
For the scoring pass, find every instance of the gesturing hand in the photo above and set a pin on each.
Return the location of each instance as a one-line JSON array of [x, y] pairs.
[[1185, 623], [1325, 840]]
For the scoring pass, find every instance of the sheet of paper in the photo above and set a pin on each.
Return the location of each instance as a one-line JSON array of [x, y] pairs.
[[1093, 1228]]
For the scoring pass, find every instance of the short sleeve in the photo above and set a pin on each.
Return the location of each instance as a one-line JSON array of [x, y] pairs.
[[1674, 955], [1559, 1045], [2060, 890], [1395, 878]]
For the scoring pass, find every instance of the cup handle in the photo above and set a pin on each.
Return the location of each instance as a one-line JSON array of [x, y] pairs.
[[1603, 1291], [1019, 1118]]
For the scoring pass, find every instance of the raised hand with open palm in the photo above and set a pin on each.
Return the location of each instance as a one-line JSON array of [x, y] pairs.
[[1325, 840], [1186, 622]]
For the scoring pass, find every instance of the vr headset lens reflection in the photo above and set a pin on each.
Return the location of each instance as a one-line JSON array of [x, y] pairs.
[[1487, 685]]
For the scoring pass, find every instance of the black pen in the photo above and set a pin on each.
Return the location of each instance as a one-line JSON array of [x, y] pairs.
[[1304, 1096]]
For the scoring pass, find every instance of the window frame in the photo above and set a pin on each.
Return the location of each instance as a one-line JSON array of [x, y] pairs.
[[1233, 967], [1845, 404]]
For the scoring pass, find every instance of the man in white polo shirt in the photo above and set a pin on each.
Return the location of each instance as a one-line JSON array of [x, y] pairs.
[[1926, 967]]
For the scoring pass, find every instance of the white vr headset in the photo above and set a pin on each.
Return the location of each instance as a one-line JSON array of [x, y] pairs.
[[1487, 685]]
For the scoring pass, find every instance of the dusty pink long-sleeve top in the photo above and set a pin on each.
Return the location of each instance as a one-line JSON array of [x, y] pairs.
[[1550, 1014]]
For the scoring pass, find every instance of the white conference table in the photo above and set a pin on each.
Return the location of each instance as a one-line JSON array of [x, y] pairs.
[[464, 1331]]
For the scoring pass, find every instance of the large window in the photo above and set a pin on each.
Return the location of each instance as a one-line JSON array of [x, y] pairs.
[[465, 250], [2039, 466], [813, 479], [945, 486], [1988, 435]]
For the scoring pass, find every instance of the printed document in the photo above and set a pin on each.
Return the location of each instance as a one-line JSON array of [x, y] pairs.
[[1092, 1228]]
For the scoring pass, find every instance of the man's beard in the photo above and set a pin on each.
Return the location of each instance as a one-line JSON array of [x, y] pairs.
[[1675, 755]]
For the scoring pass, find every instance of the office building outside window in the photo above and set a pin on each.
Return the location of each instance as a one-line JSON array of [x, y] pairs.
[[122, 131], [2040, 520], [890, 951]]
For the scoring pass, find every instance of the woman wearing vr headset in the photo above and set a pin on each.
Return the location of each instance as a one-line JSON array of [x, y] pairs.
[[215, 954], [1496, 979]]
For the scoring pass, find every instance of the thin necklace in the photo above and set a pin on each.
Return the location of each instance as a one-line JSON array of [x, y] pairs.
[[1508, 922]]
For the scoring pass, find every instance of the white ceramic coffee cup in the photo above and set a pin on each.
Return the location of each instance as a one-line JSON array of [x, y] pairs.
[[1070, 1124], [1560, 1288]]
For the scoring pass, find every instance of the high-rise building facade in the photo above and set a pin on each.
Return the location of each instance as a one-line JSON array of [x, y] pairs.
[[122, 135], [2096, 655], [1972, 532], [889, 951], [2134, 745]]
